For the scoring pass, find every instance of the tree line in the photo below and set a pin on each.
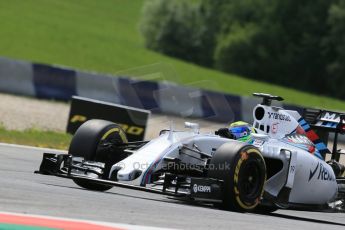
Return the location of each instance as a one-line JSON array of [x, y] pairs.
[[298, 44]]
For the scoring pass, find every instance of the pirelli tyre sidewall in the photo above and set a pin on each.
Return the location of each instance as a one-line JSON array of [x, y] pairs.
[[242, 168], [249, 178], [88, 143], [90, 135]]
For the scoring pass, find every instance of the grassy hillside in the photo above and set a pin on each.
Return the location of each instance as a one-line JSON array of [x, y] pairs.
[[103, 36]]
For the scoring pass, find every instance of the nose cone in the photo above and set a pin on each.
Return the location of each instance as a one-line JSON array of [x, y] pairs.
[[124, 175], [126, 172], [120, 172]]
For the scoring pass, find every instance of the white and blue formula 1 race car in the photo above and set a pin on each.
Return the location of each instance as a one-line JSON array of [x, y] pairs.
[[281, 166]]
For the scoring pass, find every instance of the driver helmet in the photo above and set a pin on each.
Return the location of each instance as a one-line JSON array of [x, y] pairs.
[[241, 130]]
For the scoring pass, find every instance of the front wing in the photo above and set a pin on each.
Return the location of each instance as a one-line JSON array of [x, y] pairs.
[[198, 189]]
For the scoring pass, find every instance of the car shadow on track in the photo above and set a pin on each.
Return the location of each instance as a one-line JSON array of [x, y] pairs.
[[165, 199], [169, 199], [304, 219], [174, 200]]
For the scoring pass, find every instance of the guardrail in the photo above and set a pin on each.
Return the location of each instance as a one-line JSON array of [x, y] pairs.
[[61, 83]]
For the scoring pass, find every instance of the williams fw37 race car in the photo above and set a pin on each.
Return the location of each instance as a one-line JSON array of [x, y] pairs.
[[279, 164]]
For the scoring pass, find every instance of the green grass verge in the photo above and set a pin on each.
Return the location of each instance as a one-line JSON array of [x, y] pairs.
[[4, 226], [38, 138], [103, 36]]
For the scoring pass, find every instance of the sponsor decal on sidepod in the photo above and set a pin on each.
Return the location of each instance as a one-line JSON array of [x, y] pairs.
[[323, 173], [201, 188], [279, 116]]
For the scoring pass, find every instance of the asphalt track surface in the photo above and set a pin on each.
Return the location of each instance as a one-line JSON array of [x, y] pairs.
[[22, 191]]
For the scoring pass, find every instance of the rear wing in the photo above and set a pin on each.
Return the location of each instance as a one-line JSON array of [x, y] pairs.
[[325, 122]]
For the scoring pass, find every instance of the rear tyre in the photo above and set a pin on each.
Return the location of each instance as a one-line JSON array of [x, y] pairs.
[[242, 168], [89, 142]]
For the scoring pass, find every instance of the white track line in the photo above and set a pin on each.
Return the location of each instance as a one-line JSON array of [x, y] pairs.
[[32, 148]]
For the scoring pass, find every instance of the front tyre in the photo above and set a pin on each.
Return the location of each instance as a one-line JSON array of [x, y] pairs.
[[90, 142], [243, 170]]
